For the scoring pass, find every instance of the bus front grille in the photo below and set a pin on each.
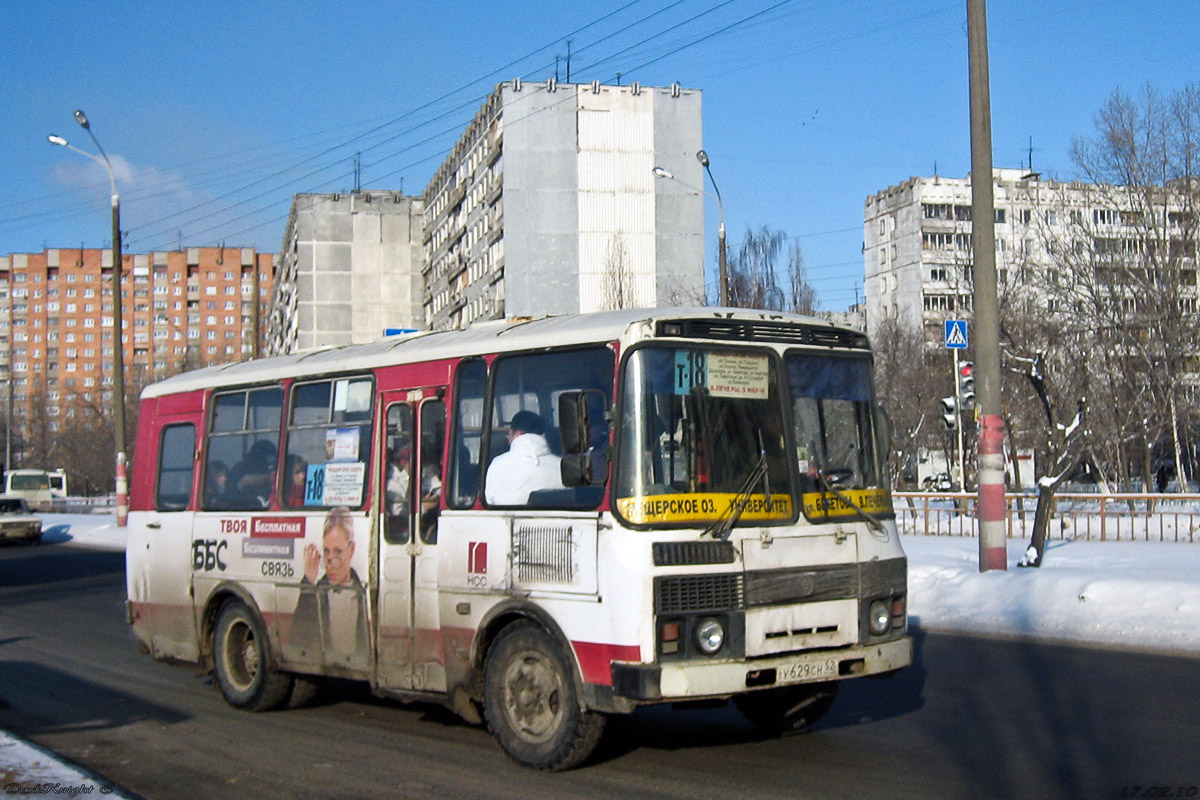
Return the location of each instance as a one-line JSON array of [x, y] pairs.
[[679, 594], [679, 554]]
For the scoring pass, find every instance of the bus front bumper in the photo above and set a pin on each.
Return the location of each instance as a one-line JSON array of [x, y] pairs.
[[700, 679]]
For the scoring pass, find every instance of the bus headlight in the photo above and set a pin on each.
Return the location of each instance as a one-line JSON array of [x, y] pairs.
[[710, 635], [879, 616]]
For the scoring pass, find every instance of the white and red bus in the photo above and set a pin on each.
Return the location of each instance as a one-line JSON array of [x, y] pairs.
[[709, 519]]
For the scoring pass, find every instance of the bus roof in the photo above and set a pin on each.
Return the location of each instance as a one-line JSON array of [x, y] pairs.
[[479, 339]]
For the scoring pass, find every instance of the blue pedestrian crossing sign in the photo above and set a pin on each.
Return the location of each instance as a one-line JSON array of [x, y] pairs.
[[956, 333]]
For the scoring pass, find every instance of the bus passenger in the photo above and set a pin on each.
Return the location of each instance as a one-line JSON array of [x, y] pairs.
[[297, 475], [216, 484], [527, 466], [254, 474], [397, 487]]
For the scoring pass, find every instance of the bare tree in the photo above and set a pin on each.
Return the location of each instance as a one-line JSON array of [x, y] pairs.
[[908, 384], [85, 446], [802, 297], [617, 280], [753, 282], [1130, 276], [754, 276], [1063, 447]]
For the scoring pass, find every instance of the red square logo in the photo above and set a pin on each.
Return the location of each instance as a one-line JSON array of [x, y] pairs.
[[477, 558]]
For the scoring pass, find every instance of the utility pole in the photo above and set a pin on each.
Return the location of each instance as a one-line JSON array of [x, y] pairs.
[[991, 505]]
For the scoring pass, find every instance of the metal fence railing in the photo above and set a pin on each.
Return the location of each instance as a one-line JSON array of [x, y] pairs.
[[1112, 517], [105, 504]]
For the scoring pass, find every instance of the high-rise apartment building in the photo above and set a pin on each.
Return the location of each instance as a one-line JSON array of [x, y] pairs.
[[1050, 235], [350, 270], [180, 310], [917, 243], [549, 204]]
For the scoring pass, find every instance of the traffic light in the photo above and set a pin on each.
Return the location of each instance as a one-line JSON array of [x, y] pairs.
[[949, 412], [966, 385]]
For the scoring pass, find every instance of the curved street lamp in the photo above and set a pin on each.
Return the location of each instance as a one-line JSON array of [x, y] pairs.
[[117, 325], [702, 157]]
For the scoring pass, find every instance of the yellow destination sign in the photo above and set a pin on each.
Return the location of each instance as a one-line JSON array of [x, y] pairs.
[[703, 507], [827, 504]]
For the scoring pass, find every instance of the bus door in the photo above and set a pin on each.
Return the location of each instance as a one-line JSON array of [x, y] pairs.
[[161, 552], [409, 630]]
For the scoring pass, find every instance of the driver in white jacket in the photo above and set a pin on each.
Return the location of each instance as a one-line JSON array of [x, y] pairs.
[[527, 466]]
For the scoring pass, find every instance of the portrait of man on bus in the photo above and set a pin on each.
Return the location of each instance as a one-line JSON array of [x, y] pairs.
[[331, 613]]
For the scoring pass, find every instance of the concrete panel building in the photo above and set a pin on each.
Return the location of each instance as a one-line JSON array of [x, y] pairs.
[[350, 270], [918, 262], [548, 204]]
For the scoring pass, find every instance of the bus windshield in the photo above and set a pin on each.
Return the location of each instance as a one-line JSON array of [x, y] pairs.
[[840, 465], [703, 431], [28, 482]]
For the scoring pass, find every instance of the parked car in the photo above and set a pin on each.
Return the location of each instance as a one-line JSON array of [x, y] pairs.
[[17, 521]]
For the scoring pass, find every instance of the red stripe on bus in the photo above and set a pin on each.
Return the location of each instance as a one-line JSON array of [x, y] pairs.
[[595, 659]]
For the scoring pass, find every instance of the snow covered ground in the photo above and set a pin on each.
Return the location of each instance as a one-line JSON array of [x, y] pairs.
[[1139, 595], [1129, 594]]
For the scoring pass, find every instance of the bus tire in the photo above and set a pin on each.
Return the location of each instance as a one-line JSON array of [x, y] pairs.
[[241, 662], [788, 709], [531, 704]]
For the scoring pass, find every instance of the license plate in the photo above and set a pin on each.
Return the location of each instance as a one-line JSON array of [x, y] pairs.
[[806, 670]]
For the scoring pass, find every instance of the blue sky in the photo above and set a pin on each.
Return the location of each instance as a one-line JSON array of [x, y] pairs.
[[214, 114]]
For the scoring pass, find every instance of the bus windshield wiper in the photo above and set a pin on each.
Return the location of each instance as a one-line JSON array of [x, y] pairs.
[[872, 522], [723, 525]]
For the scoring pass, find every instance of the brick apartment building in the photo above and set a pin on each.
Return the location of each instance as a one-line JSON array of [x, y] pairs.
[[181, 310]]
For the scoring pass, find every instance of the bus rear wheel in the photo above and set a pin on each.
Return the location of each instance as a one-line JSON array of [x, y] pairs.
[[788, 709], [241, 662], [531, 704]]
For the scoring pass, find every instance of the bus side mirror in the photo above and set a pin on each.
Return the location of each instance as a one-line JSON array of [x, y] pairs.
[[573, 422], [576, 469], [576, 412]]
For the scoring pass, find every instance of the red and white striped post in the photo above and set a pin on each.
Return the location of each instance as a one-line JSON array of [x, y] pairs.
[[122, 492]]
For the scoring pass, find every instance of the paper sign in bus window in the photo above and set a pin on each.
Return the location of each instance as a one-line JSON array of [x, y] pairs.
[[723, 374], [341, 444], [344, 483], [745, 376], [314, 485]]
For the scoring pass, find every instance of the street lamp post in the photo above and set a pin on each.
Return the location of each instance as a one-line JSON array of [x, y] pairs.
[[122, 479], [723, 290], [702, 157]]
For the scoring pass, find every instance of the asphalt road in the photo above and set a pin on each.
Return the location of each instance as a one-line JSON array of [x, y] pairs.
[[972, 718]]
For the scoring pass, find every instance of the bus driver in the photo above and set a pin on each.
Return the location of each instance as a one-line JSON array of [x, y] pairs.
[[527, 466]]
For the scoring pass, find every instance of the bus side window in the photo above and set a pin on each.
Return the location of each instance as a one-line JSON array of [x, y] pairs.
[[525, 415], [467, 446], [398, 474], [242, 449], [433, 441], [176, 456], [328, 443]]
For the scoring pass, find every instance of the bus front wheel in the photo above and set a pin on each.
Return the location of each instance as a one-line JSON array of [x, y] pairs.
[[531, 704], [241, 663]]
